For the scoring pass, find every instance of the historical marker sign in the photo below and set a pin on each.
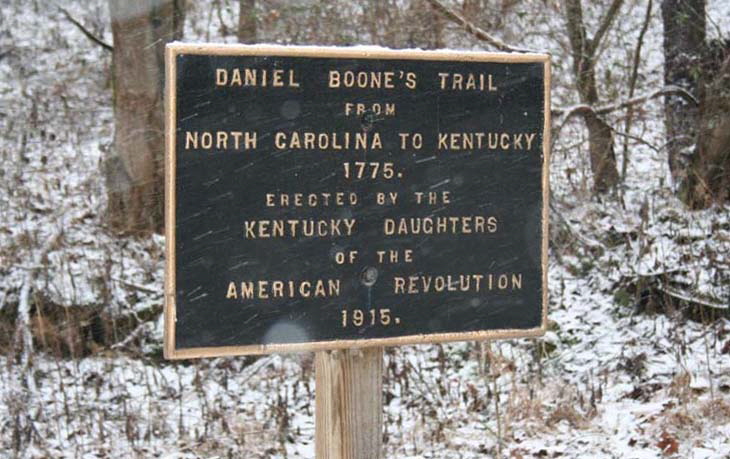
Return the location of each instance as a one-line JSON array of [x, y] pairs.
[[321, 198]]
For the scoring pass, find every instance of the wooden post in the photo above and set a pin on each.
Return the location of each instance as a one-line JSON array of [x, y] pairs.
[[349, 403]]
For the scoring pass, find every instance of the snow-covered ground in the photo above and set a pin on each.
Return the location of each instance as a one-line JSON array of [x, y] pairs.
[[621, 374]]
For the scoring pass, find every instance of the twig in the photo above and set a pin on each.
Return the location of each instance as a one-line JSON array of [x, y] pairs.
[[608, 18], [477, 32], [135, 333], [665, 91], [585, 240], [495, 389], [489, 376], [568, 112], [23, 331], [687, 297], [24, 304], [583, 109], [85, 31], [639, 140], [139, 287], [709, 367], [632, 87]]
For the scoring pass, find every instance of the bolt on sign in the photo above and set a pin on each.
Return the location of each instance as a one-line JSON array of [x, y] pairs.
[[323, 198]]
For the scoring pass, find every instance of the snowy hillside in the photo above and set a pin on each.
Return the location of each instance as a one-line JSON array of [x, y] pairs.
[[636, 362]]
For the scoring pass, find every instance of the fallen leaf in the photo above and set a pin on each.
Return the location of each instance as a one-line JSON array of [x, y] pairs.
[[668, 444]]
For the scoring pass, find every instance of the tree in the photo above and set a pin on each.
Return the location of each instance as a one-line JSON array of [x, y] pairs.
[[134, 170], [708, 176], [684, 37], [698, 135], [247, 21], [584, 52]]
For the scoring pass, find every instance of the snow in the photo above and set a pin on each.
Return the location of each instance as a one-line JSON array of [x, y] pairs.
[[610, 379]]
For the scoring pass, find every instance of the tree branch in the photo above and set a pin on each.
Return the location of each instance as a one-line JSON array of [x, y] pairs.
[[23, 332], [578, 235], [637, 139], [605, 25], [637, 50], [141, 328], [632, 86], [576, 32], [86, 31], [477, 32], [583, 109], [567, 112]]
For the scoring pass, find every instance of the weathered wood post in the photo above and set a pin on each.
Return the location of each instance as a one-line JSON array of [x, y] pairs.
[[349, 403]]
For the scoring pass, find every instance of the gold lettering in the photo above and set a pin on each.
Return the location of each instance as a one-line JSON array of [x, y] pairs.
[[492, 224], [420, 283], [263, 292], [241, 77], [221, 141], [206, 140], [221, 77], [277, 289], [305, 289], [191, 138], [292, 81], [279, 139], [334, 287], [236, 77], [334, 79], [277, 81], [319, 290], [411, 80], [492, 87], [440, 225], [399, 285], [263, 229], [529, 138], [249, 77], [250, 225], [231, 290], [504, 141], [247, 290], [412, 284]]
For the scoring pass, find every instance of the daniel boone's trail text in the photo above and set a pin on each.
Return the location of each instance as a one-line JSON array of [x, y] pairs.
[[356, 196]]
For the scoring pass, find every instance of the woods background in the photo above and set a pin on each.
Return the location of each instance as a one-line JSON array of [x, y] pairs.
[[637, 359]]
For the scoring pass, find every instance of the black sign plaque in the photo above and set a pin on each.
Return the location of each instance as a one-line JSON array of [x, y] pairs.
[[324, 198]]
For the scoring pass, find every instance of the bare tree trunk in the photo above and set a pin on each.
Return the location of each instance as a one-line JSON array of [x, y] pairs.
[[600, 136], [247, 21], [698, 136], [134, 171], [708, 174], [437, 29], [684, 38], [632, 88], [602, 154]]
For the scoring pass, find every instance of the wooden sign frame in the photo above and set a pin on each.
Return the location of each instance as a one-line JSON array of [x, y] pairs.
[[175, 49]]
